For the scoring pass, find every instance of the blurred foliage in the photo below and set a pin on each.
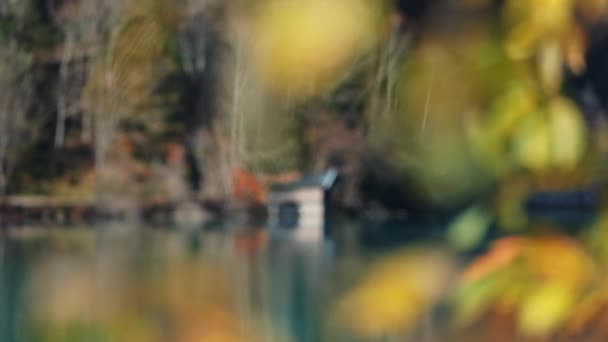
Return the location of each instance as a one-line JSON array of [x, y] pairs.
[[395, 293], [301, 47], [542, 281], [471, 102]]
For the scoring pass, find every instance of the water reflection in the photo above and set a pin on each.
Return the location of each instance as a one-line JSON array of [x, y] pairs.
[[122, 283], [125, 283], [128, 283]]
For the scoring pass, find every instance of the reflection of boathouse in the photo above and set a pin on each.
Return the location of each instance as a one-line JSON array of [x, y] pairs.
[[301, 205]]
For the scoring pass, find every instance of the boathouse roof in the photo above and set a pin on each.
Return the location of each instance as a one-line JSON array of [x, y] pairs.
[[324, 180]]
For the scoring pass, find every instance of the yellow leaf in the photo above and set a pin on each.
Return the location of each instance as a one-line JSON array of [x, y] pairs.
[[394, 294], [532, 143], [550, 64], [568, 134], [545, 310]]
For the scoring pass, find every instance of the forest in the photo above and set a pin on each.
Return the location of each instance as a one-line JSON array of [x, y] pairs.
[[168, 101]]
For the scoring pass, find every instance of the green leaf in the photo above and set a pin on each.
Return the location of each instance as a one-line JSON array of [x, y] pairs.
[[469, 228]]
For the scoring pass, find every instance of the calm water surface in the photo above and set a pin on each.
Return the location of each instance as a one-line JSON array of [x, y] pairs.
[[123, 282]]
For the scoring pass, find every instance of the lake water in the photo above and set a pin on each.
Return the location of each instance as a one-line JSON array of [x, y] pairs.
[[124, 282]]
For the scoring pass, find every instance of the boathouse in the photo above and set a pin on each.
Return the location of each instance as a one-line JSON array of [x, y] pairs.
[[301, 205]]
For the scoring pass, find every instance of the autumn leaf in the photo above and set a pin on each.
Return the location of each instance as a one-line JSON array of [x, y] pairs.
[[532, 143], [568, 134], [394, 294], [545, 309]]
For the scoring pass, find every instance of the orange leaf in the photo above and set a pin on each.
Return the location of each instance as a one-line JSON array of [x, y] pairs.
[[502, 253]]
